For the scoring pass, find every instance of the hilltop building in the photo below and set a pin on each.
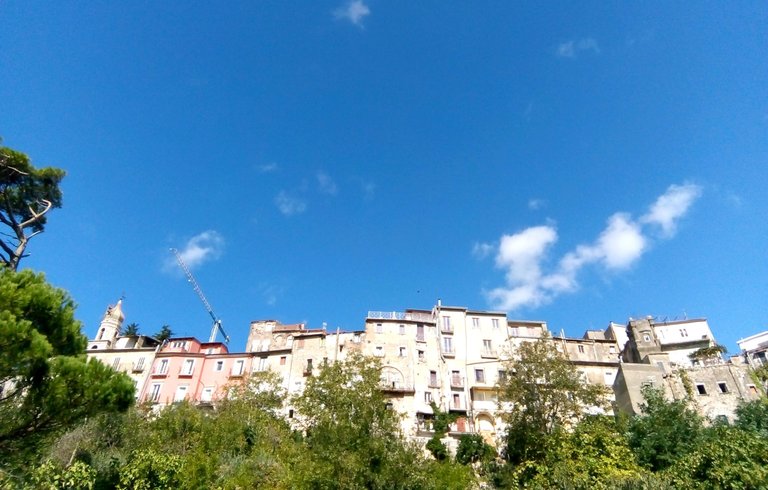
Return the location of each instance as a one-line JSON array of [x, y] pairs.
[[449, 356], [131, 354], [663, 354]]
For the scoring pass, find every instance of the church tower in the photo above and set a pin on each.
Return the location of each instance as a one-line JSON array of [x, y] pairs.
[[109, 329]]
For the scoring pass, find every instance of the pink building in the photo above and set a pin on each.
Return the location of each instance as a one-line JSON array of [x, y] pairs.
[[187, 369]]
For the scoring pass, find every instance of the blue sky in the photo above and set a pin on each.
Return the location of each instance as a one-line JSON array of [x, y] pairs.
[[569, 162]]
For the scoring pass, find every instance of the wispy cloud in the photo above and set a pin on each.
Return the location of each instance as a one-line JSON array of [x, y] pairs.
[[618, 247], [482, 250], [325, 184], [354, 11], [271, 293], [201, 248], [536, 204], [369, 190], [267, 168], [290, 205], [571, 49]]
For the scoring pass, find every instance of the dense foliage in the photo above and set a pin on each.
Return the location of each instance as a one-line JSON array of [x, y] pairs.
[[47, 385]]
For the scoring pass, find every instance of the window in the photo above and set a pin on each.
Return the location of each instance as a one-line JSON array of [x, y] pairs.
[[433, 378], [116, 363], [186, 369], [155, 393], [646, 337], [309, 365], [427, 397], [219, 365], [722, 386], [683, 332], [163, 367], [752, 389], [401, 352], [379, 352], [263, 364], [181, 393], [448, 345], [402, 329], [701, 389], [581, 349], [420, 332], [101, 334], [179, 344], [421, 355], [139, 366], [456, 400], [487, 345], [447, 324], [290, 413], [495, 322], [379, 328], [237, 367], [475, 322], [300, 344], [479, 375], [282, 360], [514, 332], [207, 394], [356, 338], [612, 349], [502, 376], [456, 378]]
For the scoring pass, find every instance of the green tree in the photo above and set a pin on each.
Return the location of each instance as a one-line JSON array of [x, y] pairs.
[[441, 424], [665, 431], [725, 457], [48, 385], [353, 438], [473, 449], [27, 194], [131, 330], [593, 455], [542, 393], [165, 333], [752, 416]]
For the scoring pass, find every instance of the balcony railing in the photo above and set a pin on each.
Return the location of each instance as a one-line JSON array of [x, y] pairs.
[[448, 351], [457, 382], [434, 383], [400, 315], [489, 354]]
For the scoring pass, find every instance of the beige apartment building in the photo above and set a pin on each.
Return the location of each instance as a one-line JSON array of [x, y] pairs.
[[450, 356]]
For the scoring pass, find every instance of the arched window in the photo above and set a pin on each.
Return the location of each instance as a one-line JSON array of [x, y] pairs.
[[101, 334]]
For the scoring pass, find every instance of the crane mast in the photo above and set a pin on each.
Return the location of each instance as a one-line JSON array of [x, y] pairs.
[[217, 327]]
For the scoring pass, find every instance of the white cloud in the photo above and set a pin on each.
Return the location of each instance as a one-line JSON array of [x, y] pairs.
[[198, 250], [520, 254], [482, 250], [325, 184], [570, 49], [354, 11], [670, 206], [290, 205], [618, 247]]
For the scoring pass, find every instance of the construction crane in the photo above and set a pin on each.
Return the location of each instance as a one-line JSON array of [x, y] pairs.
[[191, 279]]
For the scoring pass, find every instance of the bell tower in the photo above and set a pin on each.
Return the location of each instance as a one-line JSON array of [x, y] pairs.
[[109, 328]]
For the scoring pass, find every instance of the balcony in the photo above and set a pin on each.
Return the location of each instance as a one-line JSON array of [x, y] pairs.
[[446, 328], [397, 388], [489, 354], [420, 338], [448, 351], [434, 383], [138, 368], [457, 382]]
